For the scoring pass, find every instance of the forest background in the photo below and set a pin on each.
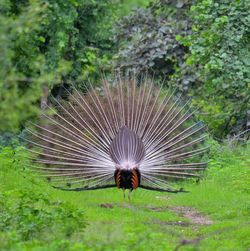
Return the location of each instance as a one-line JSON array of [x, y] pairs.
[[202, 48]]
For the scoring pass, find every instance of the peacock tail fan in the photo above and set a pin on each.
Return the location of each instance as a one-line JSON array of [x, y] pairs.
[[125, 134]]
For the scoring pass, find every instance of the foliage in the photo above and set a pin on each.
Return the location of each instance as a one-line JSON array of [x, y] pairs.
[[201, 47], [47, 44], [17, 40], [222, 158], [219, 49], [147, 38], [44, 44], [28, 212]]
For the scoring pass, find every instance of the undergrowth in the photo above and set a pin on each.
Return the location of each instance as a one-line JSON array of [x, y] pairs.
[[28, 213]]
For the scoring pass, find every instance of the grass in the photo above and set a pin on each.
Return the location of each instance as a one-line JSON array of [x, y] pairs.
[[150, 222]]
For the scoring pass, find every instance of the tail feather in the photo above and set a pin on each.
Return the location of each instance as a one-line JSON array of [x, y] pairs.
[[83, 140], [127, 146]]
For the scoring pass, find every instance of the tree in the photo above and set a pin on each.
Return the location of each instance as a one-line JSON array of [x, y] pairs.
[[201, 47], [219, 48], [44, 44]]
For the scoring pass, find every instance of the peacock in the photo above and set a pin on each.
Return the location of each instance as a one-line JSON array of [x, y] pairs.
[[129, 133]]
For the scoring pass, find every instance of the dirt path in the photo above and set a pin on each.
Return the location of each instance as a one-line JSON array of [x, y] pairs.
[[192, 214], [194, 217]]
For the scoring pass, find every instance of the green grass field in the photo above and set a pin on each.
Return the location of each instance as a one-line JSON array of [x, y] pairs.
[[214, 215]]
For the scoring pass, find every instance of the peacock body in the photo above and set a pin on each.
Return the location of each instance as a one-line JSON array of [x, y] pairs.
[[124, 134]]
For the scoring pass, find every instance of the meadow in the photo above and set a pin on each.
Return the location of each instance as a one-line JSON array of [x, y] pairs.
[[213, 215]]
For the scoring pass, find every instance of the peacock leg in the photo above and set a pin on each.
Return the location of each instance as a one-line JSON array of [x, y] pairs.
[[129, 195], [124, 195]]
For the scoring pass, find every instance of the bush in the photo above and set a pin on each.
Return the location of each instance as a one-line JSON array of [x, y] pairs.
[[219, 49], [202, 48], [147, 39], [29, 215], [44, 44]]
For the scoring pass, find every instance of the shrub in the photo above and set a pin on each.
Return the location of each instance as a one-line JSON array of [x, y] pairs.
[[219, 49], [28, 213]]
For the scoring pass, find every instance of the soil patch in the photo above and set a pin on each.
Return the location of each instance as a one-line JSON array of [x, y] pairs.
[[170, 223], [106, 205], [193, 215], [189, 213]]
